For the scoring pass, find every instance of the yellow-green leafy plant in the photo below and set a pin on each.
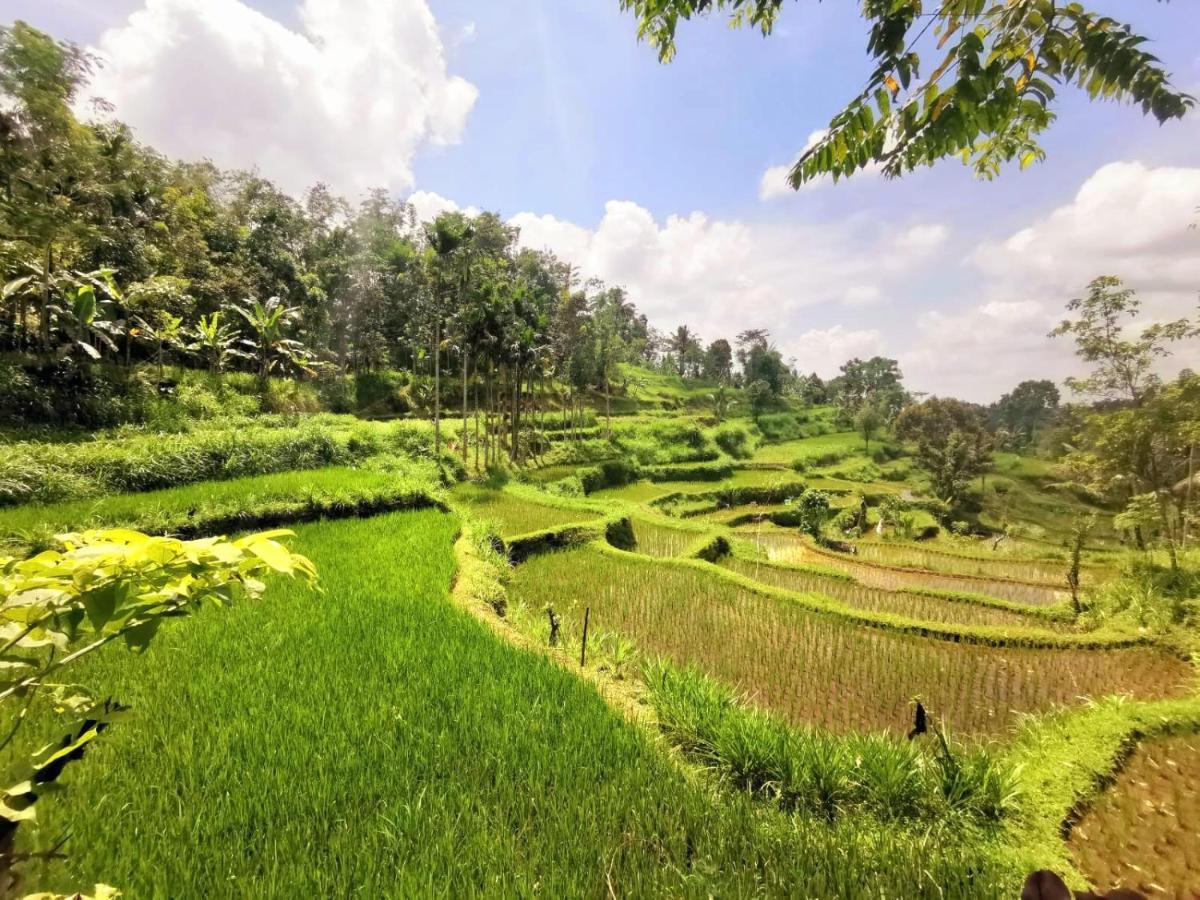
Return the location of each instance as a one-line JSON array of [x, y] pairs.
[[92, 589]]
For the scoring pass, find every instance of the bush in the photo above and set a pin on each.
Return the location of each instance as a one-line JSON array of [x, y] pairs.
[[66, 392], [736, 440], [703, 472], [610, 473], [828, 458], [782, 426], [381, 393], [657, 443], [862, 472], [886, 453]]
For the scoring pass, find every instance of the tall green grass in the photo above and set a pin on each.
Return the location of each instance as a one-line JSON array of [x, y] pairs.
[[376, 741], [46, 472], [385, 482]]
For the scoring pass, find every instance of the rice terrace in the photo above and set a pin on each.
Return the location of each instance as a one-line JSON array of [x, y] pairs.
[[354, 542]]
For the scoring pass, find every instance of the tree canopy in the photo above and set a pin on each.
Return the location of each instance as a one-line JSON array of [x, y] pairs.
[[976, 79]]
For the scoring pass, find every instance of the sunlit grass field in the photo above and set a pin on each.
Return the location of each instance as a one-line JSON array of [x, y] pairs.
[[173, 505], [808, 449]]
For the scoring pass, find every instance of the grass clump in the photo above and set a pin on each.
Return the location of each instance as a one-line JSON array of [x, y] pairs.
[[821, 774]]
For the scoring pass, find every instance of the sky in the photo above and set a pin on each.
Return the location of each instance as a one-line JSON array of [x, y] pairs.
[[667, 179]]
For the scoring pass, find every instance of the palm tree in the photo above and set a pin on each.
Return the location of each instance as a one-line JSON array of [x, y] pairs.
[[681, 343], [447, 237]]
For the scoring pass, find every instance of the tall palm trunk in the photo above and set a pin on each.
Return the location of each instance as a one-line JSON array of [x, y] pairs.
[[465, 359], [44, 312], [437, 390], [476, 405]]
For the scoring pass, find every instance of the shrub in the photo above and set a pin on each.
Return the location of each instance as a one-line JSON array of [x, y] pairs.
[[610, 473], [862, 472], [819, 773], [736, 440], [381, 393], [703, 472], [782, 426]]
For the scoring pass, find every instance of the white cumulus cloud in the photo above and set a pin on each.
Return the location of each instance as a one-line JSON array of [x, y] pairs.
[[722, 276], [823, 350], [348, 99], [428, 206]]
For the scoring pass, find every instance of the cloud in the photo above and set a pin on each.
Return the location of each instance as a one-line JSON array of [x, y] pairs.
[[1127, 219], [774, 181], [862, 295], [347, 99], [823, 350], [722, 276], [922, 239], [428, 206]]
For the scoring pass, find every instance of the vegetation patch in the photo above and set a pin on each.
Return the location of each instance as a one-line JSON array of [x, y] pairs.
[[46, 472], [820, 774]]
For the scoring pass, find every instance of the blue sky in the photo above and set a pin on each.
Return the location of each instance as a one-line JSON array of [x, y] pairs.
[[552, 113]]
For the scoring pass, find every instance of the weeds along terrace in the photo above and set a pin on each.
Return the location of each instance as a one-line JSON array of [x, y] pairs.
[[821, 669]]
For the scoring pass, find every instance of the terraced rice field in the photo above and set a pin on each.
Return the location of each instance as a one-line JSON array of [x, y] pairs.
[[1143, 832], [654, 539], [785, 453], [790, 547], [817, 668], [376, 741], [515, 515], [1050, 572], [910, 605]]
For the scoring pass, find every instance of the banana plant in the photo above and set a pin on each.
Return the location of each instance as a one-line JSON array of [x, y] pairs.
[[274, 351], [165, 330], [215, 341], [79, 314]]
